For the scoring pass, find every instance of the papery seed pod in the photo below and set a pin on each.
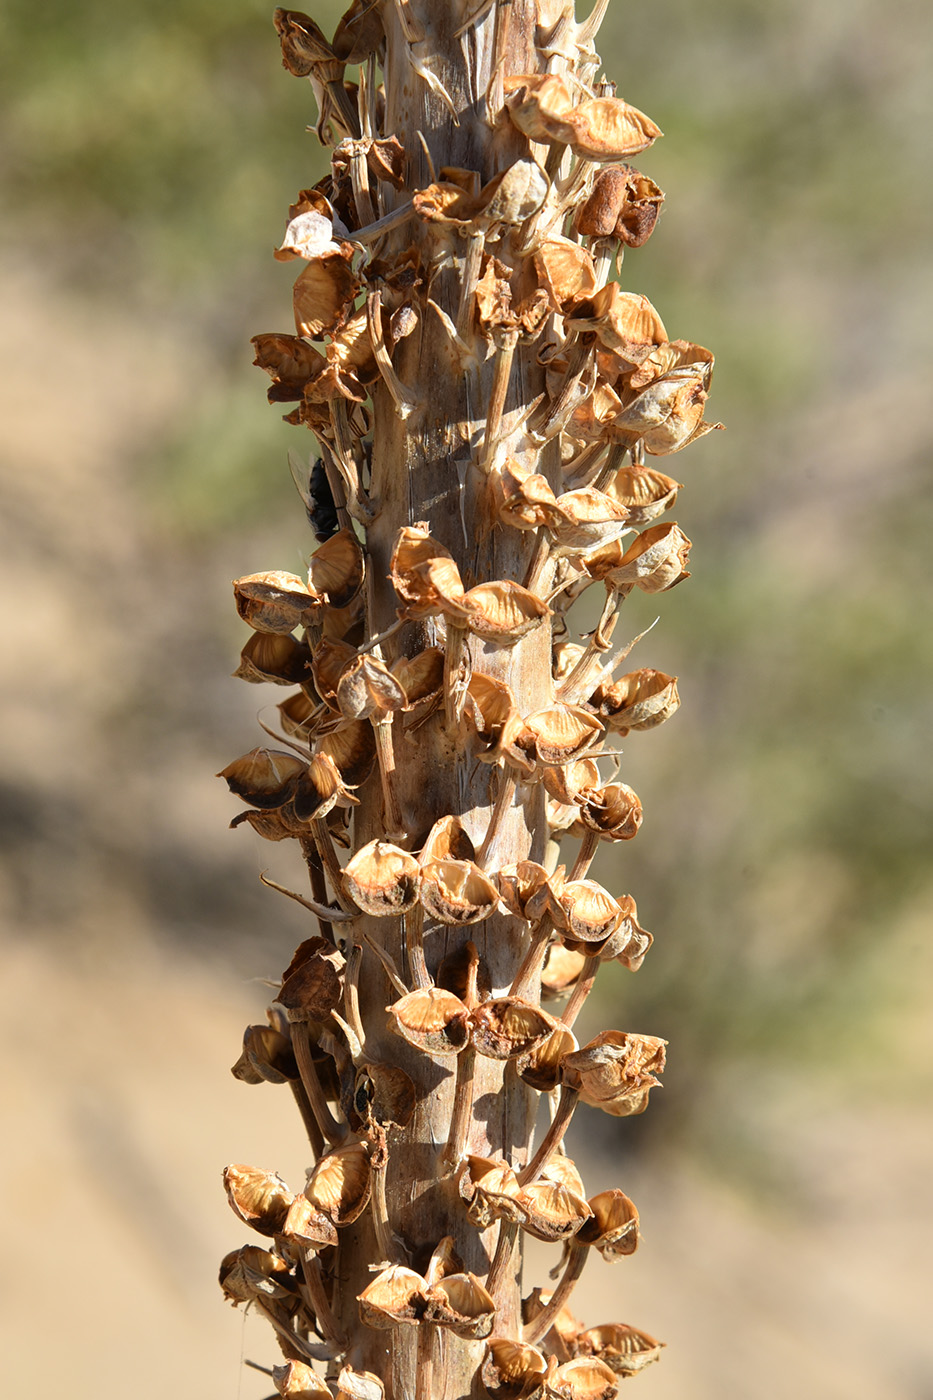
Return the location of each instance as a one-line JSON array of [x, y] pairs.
[[540, 1067], [561, 1169], [512, 1370], [266, 1057], [554, 1212], [331, 658], [384, 1094], [276, 602], [565, 1328], [642, 492], [503, 611], [359, 1385], [561, 969], [584, 1378], [461, 1303], [566, 272], [423, 573], [340, 1183], [397, 1296], [623, 204], [273, 656], [491, 1189], [336, 569], [432, 1020], [613, 1229], [297, 714], [368, 689], [297, 1381], [259, 1198], [457, 892], [614, 811], [508, 1027], [320, 788], [616, 1071], [352, 751], [624, 322], [624, 1349], [568, 783], [583, 520], [641, 700], [563, 732], [306, 1227], [447, 840], [382, 879], [421, 676], [265, 777], [587, 911], [312, 984], [518, 886], [601, 128], [252, 1272]]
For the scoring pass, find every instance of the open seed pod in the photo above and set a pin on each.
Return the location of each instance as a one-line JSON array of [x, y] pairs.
[[561, 1169], [297, 1381], [518, 887], [614, 811], [616, 1071], [561, 969], [259, 1198], [502, 611], [396, 1297], [491, 1190], [668, 415], [587, 911], [640, 700], [623, 204], [252, 1272], [583, 520], [264, 777], [566, 271], [266, 1057], [367, 689], [336, 569], [447, 840], [613, 1229], [584, 1378], [297, 713], [359, 1385], [624, 1349], [276, 601], [382, 879], [624, 322], [320, 788], [312, 984], [325, 289], [340, 1183], [352, 750], [421, 676], [554, 1211], [432, 1020], [508, 1027], [627, 943], [331, 658], [457, 892], [519, 497], [654, 562], [643, 492], [460, 1302], [277, 657], [563, 1331], [600, 128], [540, 1067], [512, 1370], [568, 782], [423, 573], [384, 1094], [306, 1227], [562, 733]]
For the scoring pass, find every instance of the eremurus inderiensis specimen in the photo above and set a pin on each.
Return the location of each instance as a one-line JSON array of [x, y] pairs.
[[487, 409]]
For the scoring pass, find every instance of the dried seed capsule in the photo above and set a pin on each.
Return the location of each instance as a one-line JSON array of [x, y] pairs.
[[457, 892], [273, 656], [461, 1303], [508, 1027], [306, 1227], [614, 811], [644, 493], [340, 1183], [265, 777], [359, 1385], [276, 602], [601, 128], [252, 1272], [367, 689], [613, 1229], [540, 1067], [395, 1297], [447, 840], [491, 1189], [563, 732], [503, 611], [312, 984], [259, 1198], [624, 1349], [554, 1211], [431, 1019], [561, 969], [624, 204], [584, 1378], [384, 1094], [297, 1381], [382, 879], [512, 1370], [267, 1057], [615, 1071], [587, 911], [640, 700]]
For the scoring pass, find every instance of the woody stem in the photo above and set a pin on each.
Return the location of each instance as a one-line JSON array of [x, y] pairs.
[[552, 1138], [333, 1131], [539, 1326]]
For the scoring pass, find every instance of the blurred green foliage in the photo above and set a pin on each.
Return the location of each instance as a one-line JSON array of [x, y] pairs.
[[151, 152]]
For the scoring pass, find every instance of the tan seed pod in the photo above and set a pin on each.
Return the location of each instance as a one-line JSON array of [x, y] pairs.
[[307, 1227], [266, 1057], [396, 1297], [457, 892], [340, 1183], [515, 193], [312, 984], [264, 777], [432, 1020], [562, 968], [297, 1381], [320, 788], [584, 1378], [447, 840], [588, 912], [624, 322], [554, 1211], [602, 128], [279, 825], [359, 1385], [462, 1304], [566, 271], [489, 706], [382, 879], [491, 1190], [336, 569], [508, 1027], [331, 658], [643, 492], [540, 1067], [563, 733], [567, 783], [384, 1094], [444, 1261], [252, 1272], [616, 1071], [421, 676], [623, 204], [615, 811], [352, 751], [259, 1198], [310, 235], [503, 611], [423, 573], [275, 602], [367, 689], [565, 1328], [520, 883], [512, 1370], [561, 1169], [277, 657], [583, 520], [520, 498], [624, 1349], [613, 1229], [565, 657], [290, 362], [640, 700], [296, 715]]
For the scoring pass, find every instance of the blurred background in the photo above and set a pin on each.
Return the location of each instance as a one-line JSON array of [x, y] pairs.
[[148, 156]]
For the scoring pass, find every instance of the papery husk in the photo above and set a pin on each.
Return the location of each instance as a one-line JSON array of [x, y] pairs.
[[276, 657], [352, 751], [655, 561], [613, 1229], [602, 128], [584, 519], [583, 1378], [512, 1370], [297, 1381], [624, 322], [306, 1227], [562, 733], [490, 1188], [519, 883], [367, 689], [312, 984], [384, 1094], [276, 601], [259, 1198], [457, 892], [359, 1385], [540, 1067], [640, 700], [448, 839], [508, 1027], [462, 1304], [615, 811], [323, 294], [587, 911], [566, 271], [266, 1057], [290, 362], [396, 1297], [423, 573], [331, 659], [561, 1169], [336, 569], [568, 782], [554, 1211], [643, 492], [264, 777], [340, 1183], [421, 676], [252, 1272], [615, 1071], [520, 498], [383, 879], [624, 1349], [432, 1020], [622, 204], [561, 970], [320, 789], [503, 611]]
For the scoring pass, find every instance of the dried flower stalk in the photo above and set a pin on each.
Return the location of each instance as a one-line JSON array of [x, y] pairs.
[[483, 403]]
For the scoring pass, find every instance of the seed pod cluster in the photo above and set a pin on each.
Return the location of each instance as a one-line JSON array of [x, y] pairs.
[[484, 402]]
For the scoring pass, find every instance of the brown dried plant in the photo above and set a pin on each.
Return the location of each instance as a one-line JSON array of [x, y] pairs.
[[484, 403]]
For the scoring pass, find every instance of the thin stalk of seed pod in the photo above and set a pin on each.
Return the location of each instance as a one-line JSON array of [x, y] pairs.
[[577, 472], [502, 373], [552, 1138], [539, 1326], [588, 848], [505, 1247], [300, 1346], [472, 263], [311, 1125], [377, 641], [607, 471], [389, 221], [333, 1131], [578, 358], [533, 961], [326, 914], [388, 964], [456, 672], [413, 938], [461, 1118], [424, 1365], [362, 196], [403, 398], [604, 675], [579, 683], [386, 1242], [581, 991], [323, 1312], [539, 562], [503, 804], [325, 847], [351, 995], [385, 755]]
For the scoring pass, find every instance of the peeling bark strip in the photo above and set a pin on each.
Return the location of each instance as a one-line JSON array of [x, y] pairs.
[[483, 402]]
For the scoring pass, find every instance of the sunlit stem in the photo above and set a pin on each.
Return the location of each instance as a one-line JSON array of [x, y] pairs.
[[539, 561], [503, 806], [581, 991], [333, 1131], [462, 1117], [402, 397], [325, 913], [588, 848], [502, 1259], [351, 996], [530, 968], [320, 1303], [609, 468], [359, 179], [387, 1242], [414, 946], [456, 672], [471, 269], [502, 373], [579, 683], [553, 1137], [539, 1326], [385, 754], [424, 1364]]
